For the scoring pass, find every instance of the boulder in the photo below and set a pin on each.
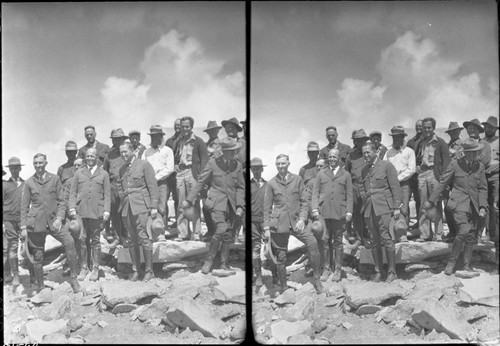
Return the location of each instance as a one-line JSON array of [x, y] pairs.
[[44, 296], [75, 323], [76, 340], [300, 310], [55, 338], [57, 309], [239, 331], [399, 312], [37, 329], [178, 265], [300, 339], [282, 330], [368, 309], [123, 308], [169, 251], [231, 289], [438, 316], [465, 274], [287, 297], [373, 293], [294, 244], [480, 290], [63, 289], [157, 309], [51, 244], [222, 273], [113, 292], [188, 313], [319, 324]]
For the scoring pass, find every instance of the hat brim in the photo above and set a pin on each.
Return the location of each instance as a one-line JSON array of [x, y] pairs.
[[16, 165], [257, 166], [456, 128], [124, 136], [366, 137], [225, 122], [495, 126], [479, 147], [212, 128], [467, 123], [398, 134], [157, 133], [236, 147]]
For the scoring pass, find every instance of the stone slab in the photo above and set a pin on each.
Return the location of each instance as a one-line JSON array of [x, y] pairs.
[[282, 330], [300, 310], [123, 308], [481, 290], [37, 329], [114, 292], [287, 297], [368, 309], [231, 289], [44, 296], [373, 293]]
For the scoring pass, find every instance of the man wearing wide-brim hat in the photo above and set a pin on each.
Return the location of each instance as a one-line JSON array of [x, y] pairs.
[[454, 132], [232, 127], [403, 159], [474, 128], [67, 170], [309, 170], [226, 200], [90, 135], [356, 229], [468, 201], [376, 138], [12, 192], [257, 189]]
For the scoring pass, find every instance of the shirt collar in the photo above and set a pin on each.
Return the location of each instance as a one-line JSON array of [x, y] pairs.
[[286, 177]]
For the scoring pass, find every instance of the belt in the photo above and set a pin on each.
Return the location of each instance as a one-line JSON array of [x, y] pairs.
[[426, 168], [183, 166]]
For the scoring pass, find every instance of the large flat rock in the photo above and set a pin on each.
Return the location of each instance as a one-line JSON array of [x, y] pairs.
[[282, 330], [300, 310], [37, 329], [480, 290], [118, 292], [189, 313], [372, 293], [231, 289]]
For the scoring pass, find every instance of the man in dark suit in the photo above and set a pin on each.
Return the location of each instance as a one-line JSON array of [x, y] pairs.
[[333, 143], [139, 200], [101, 148], [309, 170], [90, 198], [42, 212], [468, 201], [257, 188], [382, 200], [332, 199], [232, 127], [225, 200]]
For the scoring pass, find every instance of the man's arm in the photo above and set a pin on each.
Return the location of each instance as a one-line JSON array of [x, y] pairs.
[[107, 193], [411, 168], [166, 162], [444, 181], [392, 178], [25, 203], [203, 152], [268, 203], [151, 184], [73, 192], [204, 177], [61, 206]]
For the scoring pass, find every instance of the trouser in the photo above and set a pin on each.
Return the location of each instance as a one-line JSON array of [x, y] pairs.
[[90, 240], [357, 224], [11, 232], [405, 200], [379, 230], [426, 184], [257, 234], [136, 229], [332, 240], [279, 246], [185, 182], [468, 226], [115, 216], [450, 218], [492, 220], [172, 190], [307, 237], [207, 215], [414, 192], [162, 200], [225, 223]]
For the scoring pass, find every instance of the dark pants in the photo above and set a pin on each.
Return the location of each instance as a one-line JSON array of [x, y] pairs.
[[414, 192], [115, 216], [172, 189], [379, 229], [207, 215], [163, 199], [358, 221], [405, 200], [225, 224], [492, 220], [92, 233], [307, 237], [468, 226], [279, 246], [10, 241], [136, 229], [332, 236], [257, 233], [449, 216]]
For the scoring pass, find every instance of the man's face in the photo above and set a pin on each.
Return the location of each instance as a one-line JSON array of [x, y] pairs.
[[282, 165], [257, 171], [231, 130], [313, 155], [320, 164], [90, 135], [77, 163], [71, 154], [156, 139], [427, 129], [333, 158], [228, 154], [117, 141], [186, 128], [91, 157], [473, 131], [397, 141], [376, 140], [39, 163], [359, 142], [177, 126], [454, 133], [471, 155], [14, 171], [126, 153], [135, 139], [331, 135], [369, 153], [418, 127], [489, 130], [212, 133]]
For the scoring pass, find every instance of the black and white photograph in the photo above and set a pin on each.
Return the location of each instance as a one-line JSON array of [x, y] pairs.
[[374, 160], [124, 156]]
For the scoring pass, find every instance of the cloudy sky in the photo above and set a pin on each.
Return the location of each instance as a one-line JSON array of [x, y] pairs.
[[112, 65], [369, 65]]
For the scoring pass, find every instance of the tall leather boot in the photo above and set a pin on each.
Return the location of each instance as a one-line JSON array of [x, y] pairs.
[[257, 267], [378, 260], [281, 269], [96, 256], [135, 263], [274, 272], [391, 264], [38, 271], [327, 255], [455, 252], [212, 251], [468, 257], [224, 257], [83, 262], [337, 274], [148, 258], [14, 267]]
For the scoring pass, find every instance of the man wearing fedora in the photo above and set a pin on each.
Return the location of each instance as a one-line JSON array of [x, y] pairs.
[[42, 212], [490, 129], [225, 200], [135, 139], [356, 229], [90, 199], [474, 128], [113, 161], [193, 157], [333, 143], [435, 157], [332, 199], [161, 157], [171, 180], [454, 144], [11, 196], [232, 127], [309, 170], [92, 142], [67, 170], [382, 201], [257, 189], [403, 159], [468, 201], [139, 201], [376, 138]]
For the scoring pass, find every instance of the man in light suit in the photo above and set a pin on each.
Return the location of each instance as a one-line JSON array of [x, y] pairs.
[[382, 199], [139, 199], [332, 199], [225, 200], [90, 198]]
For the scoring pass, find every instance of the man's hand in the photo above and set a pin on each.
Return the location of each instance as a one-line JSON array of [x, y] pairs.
[[239, 212], [24, 232], [267, 233], [176, 168], [348, 217], [482, 212], [418, 169], [299, 226], [396, 213], [315, 215], [154, 213], [105, 216], [57, 224], [72, 213], [185, 204]]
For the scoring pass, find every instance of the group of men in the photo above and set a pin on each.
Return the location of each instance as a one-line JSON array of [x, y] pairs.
[[364, 193], [124, 191]]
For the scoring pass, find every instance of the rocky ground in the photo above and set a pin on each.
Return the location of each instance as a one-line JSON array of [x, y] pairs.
[[422, 306], [181, 305]]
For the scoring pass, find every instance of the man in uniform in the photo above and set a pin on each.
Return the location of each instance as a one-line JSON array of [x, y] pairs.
[[468, 201], [454, 144], [333, 143], [332, 199], [12, 191], [139, 200], [376, 138], [474, 128], [226, 200], [67, 171], [232, 127], [171, 180], [135, 139], [90, 136], [258, 188], [284, 213], [90, 198], [42, 212], [309, 170], [382, 200]]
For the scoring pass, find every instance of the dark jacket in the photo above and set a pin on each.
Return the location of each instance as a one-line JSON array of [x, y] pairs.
[[308, 172], [12, 199], [257, 200], [332, 194], [90, 194], [101, 148], [344, 150], [441, 156], [200, 155]]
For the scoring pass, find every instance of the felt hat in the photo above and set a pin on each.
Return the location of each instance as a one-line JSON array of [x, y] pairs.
[[118, 133], [493, 121], [470, 144], [398, 131], [70, 145], [359, 134], [14, 161], [317, 228], [312, 146], [453, 126], [134, 132], [474, 122], [375, 133], [256, 162], [156, 129], [233, 121], [229, 143], [155, 227], [212, 124]]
